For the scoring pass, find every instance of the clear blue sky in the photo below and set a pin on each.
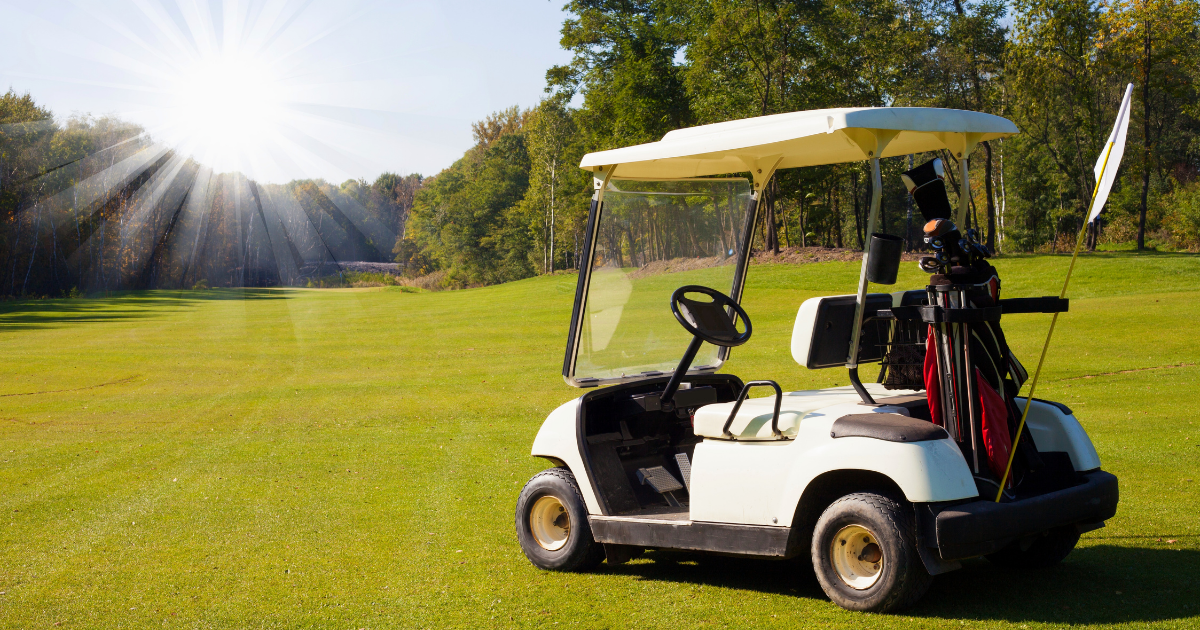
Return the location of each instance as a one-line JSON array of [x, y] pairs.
[[354, 87]]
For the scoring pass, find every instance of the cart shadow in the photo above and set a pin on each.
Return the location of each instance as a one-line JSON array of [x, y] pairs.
[[1101, 584]]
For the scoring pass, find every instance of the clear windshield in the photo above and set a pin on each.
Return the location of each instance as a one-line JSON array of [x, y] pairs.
[[652, 238]]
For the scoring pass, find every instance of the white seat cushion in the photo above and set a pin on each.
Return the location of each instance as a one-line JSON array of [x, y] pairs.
[[753, 421]]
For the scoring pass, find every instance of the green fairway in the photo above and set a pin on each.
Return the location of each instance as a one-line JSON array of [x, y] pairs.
[[350, 458]]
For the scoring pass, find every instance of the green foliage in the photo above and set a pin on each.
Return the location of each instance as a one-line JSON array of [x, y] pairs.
[[95, 204], [469, 221], [1056, 67], [358, 280], [515, 204], [1182, 216], [1064, 98], [557, 199], [623, 62]]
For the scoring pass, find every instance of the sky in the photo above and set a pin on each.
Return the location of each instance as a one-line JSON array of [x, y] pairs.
[[287, 89]]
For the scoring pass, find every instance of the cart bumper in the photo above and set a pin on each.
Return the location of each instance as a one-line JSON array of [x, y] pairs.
[[983, 527]]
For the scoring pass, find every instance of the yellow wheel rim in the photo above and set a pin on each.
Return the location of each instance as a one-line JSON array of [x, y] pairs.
[[857, 557], [550, 523]]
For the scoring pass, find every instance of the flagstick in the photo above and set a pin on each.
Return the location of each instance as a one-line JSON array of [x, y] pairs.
[[1033, 383]]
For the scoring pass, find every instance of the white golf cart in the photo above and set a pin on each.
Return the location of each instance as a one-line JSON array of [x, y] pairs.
[[666, 453]]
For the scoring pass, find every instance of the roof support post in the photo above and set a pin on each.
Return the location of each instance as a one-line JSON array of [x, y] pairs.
[[761, 171], [880, 138], [600, 181]]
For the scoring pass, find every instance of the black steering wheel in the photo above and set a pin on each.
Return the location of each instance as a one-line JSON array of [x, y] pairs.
[[710, 321]]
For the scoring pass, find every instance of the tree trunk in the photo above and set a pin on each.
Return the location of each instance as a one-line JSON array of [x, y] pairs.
[[991, 205], [772, 236], [1141, 239], [787, 230], [837, 220], [553, 176], [803, 227], [857, 215]]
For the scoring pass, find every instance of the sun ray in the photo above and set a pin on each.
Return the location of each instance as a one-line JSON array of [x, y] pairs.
[[228, 96]]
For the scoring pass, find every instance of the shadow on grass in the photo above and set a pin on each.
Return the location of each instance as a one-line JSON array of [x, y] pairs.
[[1102, 584], [19, 315]]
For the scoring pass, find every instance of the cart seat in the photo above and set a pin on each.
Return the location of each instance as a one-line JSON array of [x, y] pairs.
[[753, 421]]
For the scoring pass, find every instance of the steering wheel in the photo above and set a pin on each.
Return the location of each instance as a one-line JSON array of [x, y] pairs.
[[710, 321]]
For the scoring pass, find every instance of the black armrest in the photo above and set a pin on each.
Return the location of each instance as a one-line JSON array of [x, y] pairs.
[[903, 313], [1047, 304], [938, 315]]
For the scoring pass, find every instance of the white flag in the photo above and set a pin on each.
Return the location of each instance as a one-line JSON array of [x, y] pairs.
[[1110, 156]]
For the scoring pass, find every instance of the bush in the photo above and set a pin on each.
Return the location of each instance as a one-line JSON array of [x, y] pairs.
[[357, 279], [1182, 222]]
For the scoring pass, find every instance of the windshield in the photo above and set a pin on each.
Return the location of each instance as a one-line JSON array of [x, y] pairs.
[[653, 237]]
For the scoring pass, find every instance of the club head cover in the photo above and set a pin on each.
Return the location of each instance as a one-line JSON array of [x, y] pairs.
[[926, 183], [938, 227]]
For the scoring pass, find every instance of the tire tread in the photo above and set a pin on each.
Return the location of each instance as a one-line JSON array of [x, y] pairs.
[[912, 578], [594, 553]]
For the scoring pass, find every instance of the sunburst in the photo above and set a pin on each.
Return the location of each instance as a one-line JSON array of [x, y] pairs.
[[225, 108]]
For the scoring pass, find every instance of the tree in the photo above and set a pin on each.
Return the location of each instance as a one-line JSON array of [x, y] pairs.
[[623, 62], [1063, 95], [468, 220], [396, 193], [553, 153], [749, 58], [1156, 42], [965, 71]]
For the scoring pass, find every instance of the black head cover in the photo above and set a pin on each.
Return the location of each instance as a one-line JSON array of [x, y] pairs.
[[927, 185]]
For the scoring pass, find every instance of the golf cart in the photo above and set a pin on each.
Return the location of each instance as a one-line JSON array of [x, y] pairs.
[[882, 484]]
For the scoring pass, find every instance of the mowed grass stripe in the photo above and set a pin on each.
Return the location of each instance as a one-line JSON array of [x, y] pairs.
[[316, 458]]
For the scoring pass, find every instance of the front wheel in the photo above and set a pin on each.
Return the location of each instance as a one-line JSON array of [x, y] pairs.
[[552, 525], [865, 556]]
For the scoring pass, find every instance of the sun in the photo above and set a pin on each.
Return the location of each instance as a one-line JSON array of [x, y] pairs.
[[226, 108]]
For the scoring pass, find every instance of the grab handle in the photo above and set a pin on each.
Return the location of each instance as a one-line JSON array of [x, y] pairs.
[[742, 397]]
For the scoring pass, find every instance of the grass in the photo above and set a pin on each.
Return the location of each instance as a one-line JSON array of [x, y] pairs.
[[350, 458]]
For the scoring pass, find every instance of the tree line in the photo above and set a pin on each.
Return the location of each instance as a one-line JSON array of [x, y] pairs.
[[515, 204], [91, 205]]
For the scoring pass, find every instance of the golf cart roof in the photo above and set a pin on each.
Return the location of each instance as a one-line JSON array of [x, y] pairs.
[[810, 138]]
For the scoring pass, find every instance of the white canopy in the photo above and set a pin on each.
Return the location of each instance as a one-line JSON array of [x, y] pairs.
[[822, 136]]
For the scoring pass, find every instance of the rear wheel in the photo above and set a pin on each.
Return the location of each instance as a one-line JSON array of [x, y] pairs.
[[1045, 550], [552, 525], [865, 556]]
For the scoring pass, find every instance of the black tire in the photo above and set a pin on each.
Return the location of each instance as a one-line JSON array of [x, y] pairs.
[[1046, 550], [579, 551], [899, 577]]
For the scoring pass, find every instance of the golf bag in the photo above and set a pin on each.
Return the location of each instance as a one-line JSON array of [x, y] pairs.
[[970, 375]]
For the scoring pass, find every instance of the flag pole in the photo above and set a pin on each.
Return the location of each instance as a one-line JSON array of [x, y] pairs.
[[1046, 346]]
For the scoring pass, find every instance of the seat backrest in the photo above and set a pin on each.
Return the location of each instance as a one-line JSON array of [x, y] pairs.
[[822, 333]]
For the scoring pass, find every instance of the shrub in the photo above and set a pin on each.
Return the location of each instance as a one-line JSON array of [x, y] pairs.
[[1182, 222]]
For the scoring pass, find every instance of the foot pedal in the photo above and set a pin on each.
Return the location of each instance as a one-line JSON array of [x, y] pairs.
[[659, 479], [685, 469], [663, 483]]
